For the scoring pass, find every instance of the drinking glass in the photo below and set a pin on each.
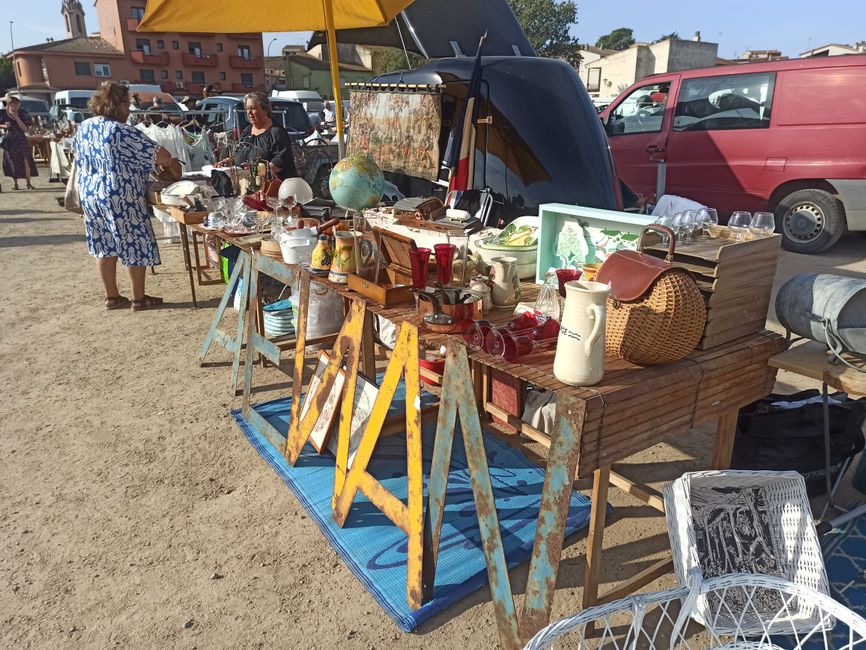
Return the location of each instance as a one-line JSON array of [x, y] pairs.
[[500, 342], [739, 223], [676, 226], [566, 275], [709, 220], [687, 226], [475, 333], [763, 224], [444, 262], [419, 258], [547, 302], [665, 220]]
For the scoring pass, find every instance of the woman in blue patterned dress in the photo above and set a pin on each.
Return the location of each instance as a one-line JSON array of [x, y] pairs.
[[113, 161]]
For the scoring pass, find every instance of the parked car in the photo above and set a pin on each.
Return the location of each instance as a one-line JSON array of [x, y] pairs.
[[226, 113], [787, 136], [35, 107], [313, 160]]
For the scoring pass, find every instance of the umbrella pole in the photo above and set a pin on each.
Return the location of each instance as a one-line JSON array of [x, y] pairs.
[[335, 74]]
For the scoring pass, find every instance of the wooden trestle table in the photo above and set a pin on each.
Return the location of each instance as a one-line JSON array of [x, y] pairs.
[[631, 409]]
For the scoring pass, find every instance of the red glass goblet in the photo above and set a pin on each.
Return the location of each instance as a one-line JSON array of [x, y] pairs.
[[517, 346], [475, 332], [566, 275], [419, 258], [444, 262]]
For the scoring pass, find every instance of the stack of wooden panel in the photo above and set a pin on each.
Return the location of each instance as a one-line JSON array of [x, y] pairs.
[[736, 278]]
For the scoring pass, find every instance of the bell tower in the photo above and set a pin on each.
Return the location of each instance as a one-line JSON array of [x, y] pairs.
[[73, 14]]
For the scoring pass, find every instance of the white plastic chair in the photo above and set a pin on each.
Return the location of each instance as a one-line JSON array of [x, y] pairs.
[[661, 619]]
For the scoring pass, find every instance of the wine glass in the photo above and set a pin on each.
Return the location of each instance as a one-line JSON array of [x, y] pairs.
[[763, 224], [444, 262], [739, 223], [666, 221], [419, 258], [676, 226], [689, 224], [475, 333], [709, 220]]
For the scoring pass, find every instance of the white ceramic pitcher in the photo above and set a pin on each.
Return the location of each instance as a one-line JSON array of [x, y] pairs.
[[506, 281], [579, 357]]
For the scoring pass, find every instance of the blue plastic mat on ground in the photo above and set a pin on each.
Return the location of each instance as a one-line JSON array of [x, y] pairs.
[[375, 549]]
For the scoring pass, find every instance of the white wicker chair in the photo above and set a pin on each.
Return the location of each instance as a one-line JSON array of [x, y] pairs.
[[662, 619], [787, 547]]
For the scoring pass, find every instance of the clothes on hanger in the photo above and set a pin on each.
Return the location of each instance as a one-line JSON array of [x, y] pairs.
[[200, 153], [170, 138]]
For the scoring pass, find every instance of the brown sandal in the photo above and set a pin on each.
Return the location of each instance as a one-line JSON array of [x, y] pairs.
[[115, 302], [147, 302]]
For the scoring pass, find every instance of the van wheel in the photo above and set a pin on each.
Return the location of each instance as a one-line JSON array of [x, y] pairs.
[[810, 221]]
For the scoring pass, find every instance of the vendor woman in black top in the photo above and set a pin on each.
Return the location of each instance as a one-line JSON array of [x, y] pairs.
[[263, 141]]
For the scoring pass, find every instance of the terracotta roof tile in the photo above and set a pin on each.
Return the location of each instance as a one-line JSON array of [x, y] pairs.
[[80, 45]]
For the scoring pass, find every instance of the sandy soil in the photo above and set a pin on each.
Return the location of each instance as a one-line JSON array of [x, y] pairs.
[[134, 513]]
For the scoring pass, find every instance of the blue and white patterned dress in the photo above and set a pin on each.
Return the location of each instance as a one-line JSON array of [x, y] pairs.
[[113, 162]]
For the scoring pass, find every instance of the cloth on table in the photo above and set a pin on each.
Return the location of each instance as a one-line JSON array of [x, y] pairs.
[[59, 161], [16, 149], [539, 410], [670, 204], [113, 162], [169, 138]]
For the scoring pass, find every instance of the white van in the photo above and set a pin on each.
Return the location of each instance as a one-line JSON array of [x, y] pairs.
[[312, 101], [72, 104]]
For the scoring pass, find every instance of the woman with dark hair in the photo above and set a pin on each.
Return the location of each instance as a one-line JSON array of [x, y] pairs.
[[264, 141], [17, 160], [113, 161]]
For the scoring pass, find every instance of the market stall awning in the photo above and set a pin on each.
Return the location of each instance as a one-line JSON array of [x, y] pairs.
[[265, 15], [273, 16]]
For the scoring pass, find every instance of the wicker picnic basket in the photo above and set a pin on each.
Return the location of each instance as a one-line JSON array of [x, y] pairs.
[[656, 313]]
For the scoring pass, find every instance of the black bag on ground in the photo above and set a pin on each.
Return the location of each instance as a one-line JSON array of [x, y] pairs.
[[770, 438]]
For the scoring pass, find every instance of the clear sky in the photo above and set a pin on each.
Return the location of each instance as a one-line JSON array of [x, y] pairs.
[[788, 25]]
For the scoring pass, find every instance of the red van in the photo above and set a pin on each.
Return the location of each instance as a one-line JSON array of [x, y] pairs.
[[788, 136]]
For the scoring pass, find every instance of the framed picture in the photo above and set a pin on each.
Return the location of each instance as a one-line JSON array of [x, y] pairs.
[[322, 429], [365, 396]]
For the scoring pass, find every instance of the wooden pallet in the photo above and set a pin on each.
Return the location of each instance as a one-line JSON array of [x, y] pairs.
[[736, 279]]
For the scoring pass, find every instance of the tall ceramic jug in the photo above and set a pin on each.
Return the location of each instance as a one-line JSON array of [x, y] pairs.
[[506, 281], [344, 261], [579, 357]]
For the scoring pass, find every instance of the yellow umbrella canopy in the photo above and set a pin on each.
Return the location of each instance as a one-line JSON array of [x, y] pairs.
[[273, 16]]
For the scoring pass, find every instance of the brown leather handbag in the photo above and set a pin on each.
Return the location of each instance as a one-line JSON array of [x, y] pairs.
[[655, 313]]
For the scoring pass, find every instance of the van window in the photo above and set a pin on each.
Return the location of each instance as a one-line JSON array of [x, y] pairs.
[[822, 96], [735, 101], [642, 111]]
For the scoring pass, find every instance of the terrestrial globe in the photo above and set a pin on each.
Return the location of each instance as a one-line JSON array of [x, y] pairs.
[[356, 183]]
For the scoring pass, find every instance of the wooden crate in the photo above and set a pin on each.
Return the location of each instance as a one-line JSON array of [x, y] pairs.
[[189, 218], [736, 279]]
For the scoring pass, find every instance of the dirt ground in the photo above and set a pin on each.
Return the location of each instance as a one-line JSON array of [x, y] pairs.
[[135, 514]]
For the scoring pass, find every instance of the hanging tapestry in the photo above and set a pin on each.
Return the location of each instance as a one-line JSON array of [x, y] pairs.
[[400, 131]]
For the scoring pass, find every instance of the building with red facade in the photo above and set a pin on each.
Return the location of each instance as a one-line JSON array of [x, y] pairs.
[[181, 63]]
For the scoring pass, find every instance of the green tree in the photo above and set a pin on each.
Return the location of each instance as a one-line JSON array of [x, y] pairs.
[[672, 36], [547, 24], [7, 76], [389, 59], [618, 39]]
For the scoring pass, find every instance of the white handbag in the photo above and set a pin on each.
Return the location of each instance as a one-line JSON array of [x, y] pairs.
[[71, 200]]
